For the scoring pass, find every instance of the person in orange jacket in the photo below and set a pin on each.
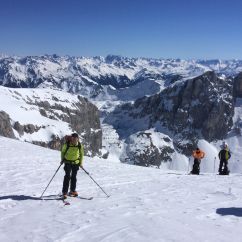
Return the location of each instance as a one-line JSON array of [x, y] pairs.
[[197, 155]]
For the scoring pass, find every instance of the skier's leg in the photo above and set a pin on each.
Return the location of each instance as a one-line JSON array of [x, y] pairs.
[[225, 171], [198, 166], [220, 166], [192, 171], [67, 177], [74, 169], [195, 167]]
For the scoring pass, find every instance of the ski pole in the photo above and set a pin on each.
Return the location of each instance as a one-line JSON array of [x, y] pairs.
[[51, 180], [94, 181], [188, 165], [214, 164]]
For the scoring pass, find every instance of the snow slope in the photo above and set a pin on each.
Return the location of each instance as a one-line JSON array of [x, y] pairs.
[[49, 111], [145, 204], [20, 104]]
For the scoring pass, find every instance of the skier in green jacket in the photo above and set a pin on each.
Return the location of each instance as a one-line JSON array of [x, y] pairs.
[[72, 154]]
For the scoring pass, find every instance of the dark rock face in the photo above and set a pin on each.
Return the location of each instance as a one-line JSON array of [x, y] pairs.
[[83, 119], [197, 108], [237, 91], [54, 144], [81, 116], [142, 151], [5, 125], [19, 128], [86, 120], [29, 128]]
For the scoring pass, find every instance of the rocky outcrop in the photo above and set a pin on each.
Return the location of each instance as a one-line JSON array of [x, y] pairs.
[[54, 144], [43, 117], [144, 151], [201, 107], [237, 89], [5, 125], [83, 119], [27, 128]]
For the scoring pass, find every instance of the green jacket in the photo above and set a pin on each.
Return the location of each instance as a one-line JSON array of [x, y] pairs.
[[74, 154]]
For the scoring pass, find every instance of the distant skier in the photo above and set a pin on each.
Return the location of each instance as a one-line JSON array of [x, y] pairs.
[[72, 156], [197, 155], [224, 155]]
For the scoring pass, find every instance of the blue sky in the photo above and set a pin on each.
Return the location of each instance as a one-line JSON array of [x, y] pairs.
[[135, 28]]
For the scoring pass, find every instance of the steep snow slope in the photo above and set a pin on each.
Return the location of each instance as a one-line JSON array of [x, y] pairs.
[[46, 115], [145, 204], [20, 104]]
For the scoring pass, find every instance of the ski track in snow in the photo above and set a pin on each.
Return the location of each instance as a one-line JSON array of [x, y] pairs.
[[146, 204]]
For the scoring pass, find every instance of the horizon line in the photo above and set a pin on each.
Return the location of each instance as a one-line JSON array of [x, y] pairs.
[[4, 55]]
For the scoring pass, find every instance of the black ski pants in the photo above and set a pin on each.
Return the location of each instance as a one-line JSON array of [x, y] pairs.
[[223, 163], [196, 166], [71, 172]]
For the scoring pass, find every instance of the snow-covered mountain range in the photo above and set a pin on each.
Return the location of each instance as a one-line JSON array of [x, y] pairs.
[[93, 77], [152, 111]]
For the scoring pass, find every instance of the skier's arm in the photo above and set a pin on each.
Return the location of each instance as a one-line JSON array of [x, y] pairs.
[[229, 155], [203, 155]]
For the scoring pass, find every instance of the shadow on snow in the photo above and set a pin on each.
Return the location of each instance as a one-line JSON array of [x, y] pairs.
[[230, 211], [23, 197]]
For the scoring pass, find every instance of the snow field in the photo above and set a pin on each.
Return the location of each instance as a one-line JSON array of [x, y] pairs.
[[146, 204]]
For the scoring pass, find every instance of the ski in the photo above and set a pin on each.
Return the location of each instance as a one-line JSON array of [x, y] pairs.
[[66, 202], [85, 198]]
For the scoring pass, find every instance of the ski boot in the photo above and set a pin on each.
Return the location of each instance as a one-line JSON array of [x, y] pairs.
[[73, 194], [64, 196]]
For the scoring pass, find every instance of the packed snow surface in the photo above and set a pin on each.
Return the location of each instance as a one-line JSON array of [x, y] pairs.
[[146, 204]]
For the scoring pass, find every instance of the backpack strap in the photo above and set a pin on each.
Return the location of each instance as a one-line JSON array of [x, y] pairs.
[[79, 147], [67, 148]]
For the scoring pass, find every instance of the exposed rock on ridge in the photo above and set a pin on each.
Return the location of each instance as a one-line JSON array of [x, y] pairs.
[[197, 108]]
